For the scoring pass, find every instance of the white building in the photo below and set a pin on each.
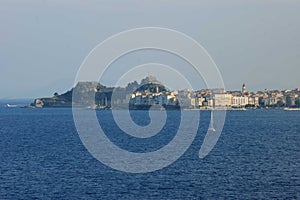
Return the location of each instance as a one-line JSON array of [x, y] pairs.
[[239, 101], [222, 100], [254, 101], [200, 101]]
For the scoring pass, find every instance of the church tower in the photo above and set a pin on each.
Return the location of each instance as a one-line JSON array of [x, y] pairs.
[[244, 89]]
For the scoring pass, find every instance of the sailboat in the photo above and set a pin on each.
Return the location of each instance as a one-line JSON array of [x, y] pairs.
[[211, 125]]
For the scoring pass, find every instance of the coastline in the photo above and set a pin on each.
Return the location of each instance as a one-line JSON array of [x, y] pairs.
[[148, 108]]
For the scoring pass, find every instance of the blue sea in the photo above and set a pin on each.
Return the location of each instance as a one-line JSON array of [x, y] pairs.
[[256, 157]]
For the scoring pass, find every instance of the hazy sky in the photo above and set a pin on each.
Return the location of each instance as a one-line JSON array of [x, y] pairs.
[[43, 42]]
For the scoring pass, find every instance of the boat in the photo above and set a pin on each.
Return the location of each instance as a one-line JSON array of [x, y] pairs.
[[11, 106], [211, 125], [212, 129]]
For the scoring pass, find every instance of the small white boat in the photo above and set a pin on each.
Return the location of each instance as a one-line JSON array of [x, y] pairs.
[[212, 129], [211, 126], [11, 106]]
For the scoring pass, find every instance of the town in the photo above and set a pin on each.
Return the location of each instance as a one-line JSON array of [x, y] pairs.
[[150, 92], [217, 98]]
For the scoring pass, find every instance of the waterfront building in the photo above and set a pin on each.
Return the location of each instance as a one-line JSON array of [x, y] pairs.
[[200, 101], [193, 102], [241, 101], [251, 101], [272, 101], [291, 100], [210, 103], [222, 100]]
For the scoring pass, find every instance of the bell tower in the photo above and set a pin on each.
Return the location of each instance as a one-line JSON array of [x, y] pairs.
[[243, 89]]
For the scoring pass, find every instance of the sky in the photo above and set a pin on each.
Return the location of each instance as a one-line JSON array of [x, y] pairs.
[[44, 42]]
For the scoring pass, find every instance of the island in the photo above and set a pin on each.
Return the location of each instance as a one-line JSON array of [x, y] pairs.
[[151, 93]]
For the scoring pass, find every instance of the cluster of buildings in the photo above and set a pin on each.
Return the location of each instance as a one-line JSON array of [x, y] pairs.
[[219, 98], [215, 98], [152, 92]]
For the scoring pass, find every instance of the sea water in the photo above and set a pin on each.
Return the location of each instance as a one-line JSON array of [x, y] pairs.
[[256, 156]]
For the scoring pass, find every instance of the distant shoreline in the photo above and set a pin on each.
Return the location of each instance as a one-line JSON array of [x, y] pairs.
[[152, 93], [12, 106]]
